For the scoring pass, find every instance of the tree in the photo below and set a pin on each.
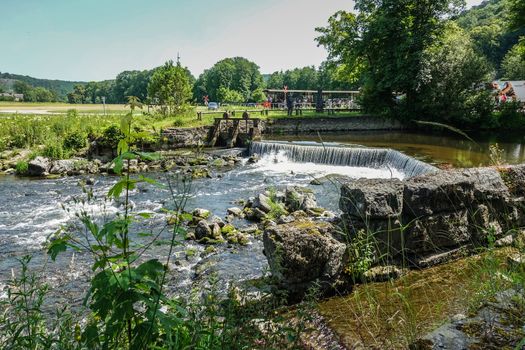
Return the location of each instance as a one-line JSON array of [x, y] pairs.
[[258, 96], [384, 45], [170, 87], [514, 64], [40, 94], [78, 95], [517, 15], [451, 80], [226, 95], [236, 74], [21, 87]]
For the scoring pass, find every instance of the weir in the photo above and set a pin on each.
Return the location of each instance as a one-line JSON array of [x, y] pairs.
[[345, 156]]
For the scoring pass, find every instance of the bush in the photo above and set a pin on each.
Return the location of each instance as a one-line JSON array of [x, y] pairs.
[[510, 117], [74, 141], [53, 150], [111, 136], [22, 167]]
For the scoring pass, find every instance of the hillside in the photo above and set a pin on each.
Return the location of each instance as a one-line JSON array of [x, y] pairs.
[[488, 25], [60, 87]]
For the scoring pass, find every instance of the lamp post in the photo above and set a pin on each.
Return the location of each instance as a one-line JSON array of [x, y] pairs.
[[104, 104]]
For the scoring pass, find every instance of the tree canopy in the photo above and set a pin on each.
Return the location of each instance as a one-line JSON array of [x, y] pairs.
[[235, 74], [170, 88], [384, 45]]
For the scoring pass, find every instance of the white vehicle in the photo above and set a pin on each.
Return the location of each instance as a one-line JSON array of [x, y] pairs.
[[213, 106]]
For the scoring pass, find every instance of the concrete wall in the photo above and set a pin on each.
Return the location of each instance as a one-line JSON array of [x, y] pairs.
[[312, 125]]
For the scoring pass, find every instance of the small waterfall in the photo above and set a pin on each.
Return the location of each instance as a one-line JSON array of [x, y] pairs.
[[345, 156]]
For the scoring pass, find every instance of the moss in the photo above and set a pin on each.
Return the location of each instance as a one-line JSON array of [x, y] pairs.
[[228, 229]]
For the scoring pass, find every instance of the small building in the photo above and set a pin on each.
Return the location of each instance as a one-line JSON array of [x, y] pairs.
[[11, 96]]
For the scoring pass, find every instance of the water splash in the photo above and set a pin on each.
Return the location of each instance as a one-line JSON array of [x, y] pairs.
[[375, 158]]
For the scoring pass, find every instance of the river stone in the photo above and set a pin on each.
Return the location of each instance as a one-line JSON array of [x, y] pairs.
[[303, 252], [448, 191], [202, 230], [62, 166], [382, 273], [434, 233], [201, 213], [514, 177], [262, 202], [372, 199], [39, 166], [235, 212]]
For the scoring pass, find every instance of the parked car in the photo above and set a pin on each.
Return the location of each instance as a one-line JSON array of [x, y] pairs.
[[213, 106]]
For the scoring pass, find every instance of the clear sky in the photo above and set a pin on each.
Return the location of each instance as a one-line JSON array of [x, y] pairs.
[[97, 39]]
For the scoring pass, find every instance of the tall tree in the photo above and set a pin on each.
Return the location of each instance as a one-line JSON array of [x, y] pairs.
[[384, 44], [237, 74], [170, 88]]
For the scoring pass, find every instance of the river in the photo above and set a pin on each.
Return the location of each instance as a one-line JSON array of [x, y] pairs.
[[32, 209]]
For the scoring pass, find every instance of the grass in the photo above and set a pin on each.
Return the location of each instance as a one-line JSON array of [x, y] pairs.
[[394, 314]]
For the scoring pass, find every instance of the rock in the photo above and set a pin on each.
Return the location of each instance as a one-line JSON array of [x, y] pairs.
[[39, 166], [254, 158], [514, 178], [315, 182], [504, 242], [372, 199], [516, 260], [448, 191], [262, 202], [216, 232], [303, 252], [382, 273], [59, 167], [201, 213], [309, 202], [286, 219], [202, 230], [90, 181], [217, 220], [235, 212]]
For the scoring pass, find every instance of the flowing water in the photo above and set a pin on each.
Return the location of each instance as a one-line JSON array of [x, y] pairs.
[[31, 210]]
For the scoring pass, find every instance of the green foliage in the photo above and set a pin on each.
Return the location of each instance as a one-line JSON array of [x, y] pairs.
[[384, 44], [170, 88], [451, 74], [230, 96], [111, 136], [360, 254], [513, 65], [22, 167], [510, 117], [306, 78], [258, 96], [75, 140], [237, 74], [53, 150]]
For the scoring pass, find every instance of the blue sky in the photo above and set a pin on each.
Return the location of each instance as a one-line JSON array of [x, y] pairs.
[[97, 39]]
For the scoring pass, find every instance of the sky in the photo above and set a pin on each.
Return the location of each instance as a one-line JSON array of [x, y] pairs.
[[85, 40]]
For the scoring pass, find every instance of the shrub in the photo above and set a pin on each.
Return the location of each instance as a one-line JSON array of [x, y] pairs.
[[510, 117], [22, 167], [53, 150], [75, 140], [111, 136]]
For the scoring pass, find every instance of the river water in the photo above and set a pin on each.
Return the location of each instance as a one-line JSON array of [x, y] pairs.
[[31, 210]]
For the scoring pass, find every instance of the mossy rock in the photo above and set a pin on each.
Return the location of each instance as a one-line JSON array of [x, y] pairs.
[[228, 229]]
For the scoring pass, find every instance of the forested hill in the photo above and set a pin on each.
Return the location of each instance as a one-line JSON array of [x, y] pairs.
[[489, 26], [60, 87]]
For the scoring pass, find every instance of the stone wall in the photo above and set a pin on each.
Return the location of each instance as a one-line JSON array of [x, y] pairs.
[[435, 213], [185, 137], [311, 125]]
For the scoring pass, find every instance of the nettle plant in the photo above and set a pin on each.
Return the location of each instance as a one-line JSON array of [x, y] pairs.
[[130, 308]]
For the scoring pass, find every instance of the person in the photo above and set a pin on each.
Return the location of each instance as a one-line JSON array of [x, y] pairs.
[[508, 91], [289, 104], [496, 91]]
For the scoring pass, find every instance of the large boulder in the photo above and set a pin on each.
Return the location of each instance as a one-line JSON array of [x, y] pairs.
[[62, 166], [448, 191], [262, 202], [299, 198], [303, 253], [39, 166], [514, 177], [372, 199]]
